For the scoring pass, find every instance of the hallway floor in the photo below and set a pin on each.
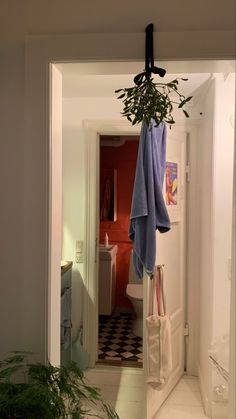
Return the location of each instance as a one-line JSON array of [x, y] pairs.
[[184, 402], [124, 389]]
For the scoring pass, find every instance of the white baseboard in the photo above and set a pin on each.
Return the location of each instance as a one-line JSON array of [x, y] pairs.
[[205, 400], [220, 410]]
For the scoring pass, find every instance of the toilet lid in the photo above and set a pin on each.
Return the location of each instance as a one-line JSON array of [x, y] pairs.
[[135, 291]]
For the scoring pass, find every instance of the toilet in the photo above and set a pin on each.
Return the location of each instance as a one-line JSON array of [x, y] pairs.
[[134, 292]]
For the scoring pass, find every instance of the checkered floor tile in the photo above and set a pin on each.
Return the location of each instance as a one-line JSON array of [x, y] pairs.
[[117, 342]]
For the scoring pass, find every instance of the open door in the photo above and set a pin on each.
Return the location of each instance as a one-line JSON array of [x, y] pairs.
[[171, 252], [55, 205]]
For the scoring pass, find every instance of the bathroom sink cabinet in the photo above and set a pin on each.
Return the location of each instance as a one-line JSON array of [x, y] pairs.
[[107, 279]]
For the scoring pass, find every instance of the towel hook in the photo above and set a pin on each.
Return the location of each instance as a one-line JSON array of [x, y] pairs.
[[157, 267], [149, 58]]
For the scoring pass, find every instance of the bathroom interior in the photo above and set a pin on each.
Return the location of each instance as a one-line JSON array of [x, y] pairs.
[[88, 95], [121, 295]]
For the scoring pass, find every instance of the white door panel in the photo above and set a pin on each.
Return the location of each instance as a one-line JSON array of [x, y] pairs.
[[171, 253]]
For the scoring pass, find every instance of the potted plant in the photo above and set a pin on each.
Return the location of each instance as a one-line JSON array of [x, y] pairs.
[[35, 390]]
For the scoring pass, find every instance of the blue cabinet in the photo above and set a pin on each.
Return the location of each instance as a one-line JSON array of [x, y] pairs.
[[66, 302]]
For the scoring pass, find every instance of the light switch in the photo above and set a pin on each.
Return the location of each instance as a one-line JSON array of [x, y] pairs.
[[79, 251]]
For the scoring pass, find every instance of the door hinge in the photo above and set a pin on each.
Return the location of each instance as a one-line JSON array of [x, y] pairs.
[[186, 330], [96, 249], [188, 172]]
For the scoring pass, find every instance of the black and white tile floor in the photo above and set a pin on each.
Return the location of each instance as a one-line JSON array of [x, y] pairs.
[[117, 343]]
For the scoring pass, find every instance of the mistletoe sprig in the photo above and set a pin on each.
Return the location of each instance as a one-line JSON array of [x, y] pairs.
[[149, 100]]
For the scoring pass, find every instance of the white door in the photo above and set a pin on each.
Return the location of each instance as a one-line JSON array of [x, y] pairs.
[[171, 252]]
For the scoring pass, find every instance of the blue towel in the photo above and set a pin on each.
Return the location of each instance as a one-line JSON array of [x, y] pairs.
[[148, 211]]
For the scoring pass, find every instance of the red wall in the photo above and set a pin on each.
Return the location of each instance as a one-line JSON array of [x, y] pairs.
[[123, 159]]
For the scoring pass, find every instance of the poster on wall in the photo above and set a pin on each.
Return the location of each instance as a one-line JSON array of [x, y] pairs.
[[171, 183], [108, 181], [172, 190]]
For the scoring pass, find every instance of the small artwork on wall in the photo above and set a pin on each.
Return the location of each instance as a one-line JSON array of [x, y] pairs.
[[108, 195], [171, 190], [171, 183]]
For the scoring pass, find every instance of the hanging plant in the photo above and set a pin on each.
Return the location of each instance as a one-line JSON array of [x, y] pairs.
[[149, 100]]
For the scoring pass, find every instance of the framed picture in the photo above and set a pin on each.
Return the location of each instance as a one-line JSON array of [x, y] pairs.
[[171, 190], [108, 193]]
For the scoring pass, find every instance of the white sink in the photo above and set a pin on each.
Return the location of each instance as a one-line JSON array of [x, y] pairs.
[[63, 263], [106, 253]]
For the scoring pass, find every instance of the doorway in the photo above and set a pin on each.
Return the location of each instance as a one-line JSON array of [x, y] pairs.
[[120, 326], [99, 130], [176, 153]]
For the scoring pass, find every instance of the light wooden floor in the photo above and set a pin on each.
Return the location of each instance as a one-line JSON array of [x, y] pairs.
[[184, 402], [124, 389]]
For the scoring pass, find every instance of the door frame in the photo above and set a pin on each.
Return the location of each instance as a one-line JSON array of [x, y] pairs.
[[41, 53], [93, 129]]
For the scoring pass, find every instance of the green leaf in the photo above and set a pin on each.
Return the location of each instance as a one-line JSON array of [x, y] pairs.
[[172, 85], [186, 113], [185, 101], [121, 96], [188, 99]]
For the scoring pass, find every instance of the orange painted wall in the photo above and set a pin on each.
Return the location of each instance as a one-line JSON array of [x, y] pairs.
[[123, 159]]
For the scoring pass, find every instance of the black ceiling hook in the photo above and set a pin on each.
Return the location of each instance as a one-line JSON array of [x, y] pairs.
[[149, 58]]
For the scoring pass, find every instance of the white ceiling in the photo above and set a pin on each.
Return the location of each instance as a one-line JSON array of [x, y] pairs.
[[101, 79], [105, 85]]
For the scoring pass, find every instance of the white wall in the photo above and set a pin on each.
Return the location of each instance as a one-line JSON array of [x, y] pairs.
[[24, 162], [232, 406], [205, 197], [222, 210], [192, 249], [75, 111], [215, 177]]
